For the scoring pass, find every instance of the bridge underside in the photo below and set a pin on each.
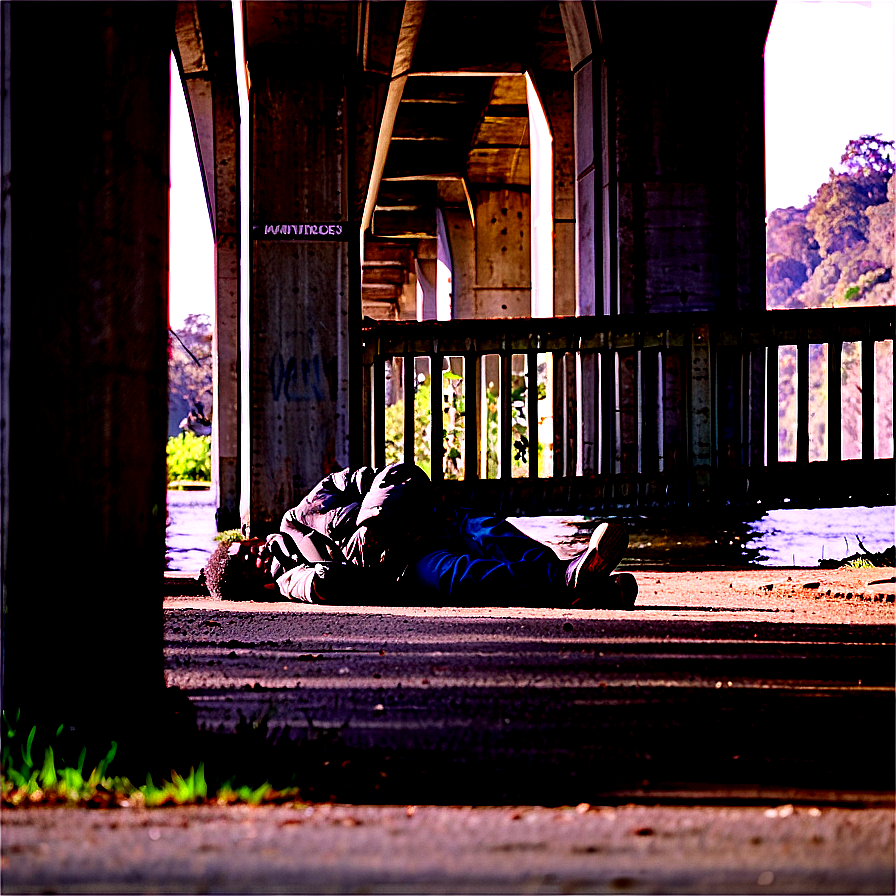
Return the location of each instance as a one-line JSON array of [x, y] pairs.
[[403, 147]]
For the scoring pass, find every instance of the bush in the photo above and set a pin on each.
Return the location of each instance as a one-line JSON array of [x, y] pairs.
[[189, 458]]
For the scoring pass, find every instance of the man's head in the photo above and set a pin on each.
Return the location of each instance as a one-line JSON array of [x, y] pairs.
[[233, 572]]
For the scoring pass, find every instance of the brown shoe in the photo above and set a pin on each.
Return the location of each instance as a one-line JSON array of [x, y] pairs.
[[605, 549], [612, 593]]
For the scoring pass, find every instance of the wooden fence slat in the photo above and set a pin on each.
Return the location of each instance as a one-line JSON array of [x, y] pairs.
[[868, 395], [608, 408], [379, 411], [409, 375], [505, 417], [532, 411], [835, 363], [771, 404], [472, 415], [366, 416], [802, 402], [437, 430]]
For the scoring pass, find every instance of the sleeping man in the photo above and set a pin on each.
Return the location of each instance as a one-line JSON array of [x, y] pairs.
[[364, 536]]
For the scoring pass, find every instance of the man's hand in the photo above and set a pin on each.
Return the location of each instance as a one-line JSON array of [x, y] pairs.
[[277, 555]]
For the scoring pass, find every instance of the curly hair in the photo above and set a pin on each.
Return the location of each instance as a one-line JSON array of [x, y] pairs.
[[228, 576]]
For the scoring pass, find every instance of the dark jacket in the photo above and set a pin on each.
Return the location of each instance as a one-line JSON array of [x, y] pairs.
[[354, 519]]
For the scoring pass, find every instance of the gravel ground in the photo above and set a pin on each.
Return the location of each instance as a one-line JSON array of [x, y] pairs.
[[425, 849]]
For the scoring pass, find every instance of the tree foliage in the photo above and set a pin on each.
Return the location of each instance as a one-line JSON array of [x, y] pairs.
[[838, 248], [189, 370]]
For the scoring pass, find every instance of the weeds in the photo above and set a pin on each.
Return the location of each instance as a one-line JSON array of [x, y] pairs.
[[189, 458], [24, 782]]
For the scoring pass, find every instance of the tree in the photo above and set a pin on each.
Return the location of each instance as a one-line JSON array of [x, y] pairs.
[[189, 370]]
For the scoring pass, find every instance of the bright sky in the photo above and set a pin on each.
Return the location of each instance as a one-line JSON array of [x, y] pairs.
[[191, 287], [829, 77]]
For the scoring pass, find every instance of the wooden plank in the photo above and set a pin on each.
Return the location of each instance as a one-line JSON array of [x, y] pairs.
[[367, 414], [379, 412], [771, 404], [802, 401], [587, 410], [409, 377], [532, 411], [868, 394], [701, 414], [505, 418], [835, 362], [607, 422], [472, 415], [649, 417], [437, 438]]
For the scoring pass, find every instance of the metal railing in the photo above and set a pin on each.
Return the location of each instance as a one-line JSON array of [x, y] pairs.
[[633, 412]]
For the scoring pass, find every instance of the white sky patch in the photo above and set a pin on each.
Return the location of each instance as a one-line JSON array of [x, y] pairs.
[[829, 77], [191, 276]]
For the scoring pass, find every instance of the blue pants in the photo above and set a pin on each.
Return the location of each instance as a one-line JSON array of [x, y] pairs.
[[488, 561]]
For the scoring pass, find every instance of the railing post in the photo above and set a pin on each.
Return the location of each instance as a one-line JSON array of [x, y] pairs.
[[802, 406], [368, 356], [868, 366], [409, 376], [505, 415], [835, 361], [379, 411], [472, 413], [700, 413], [608, 407], [437, 434], [588, 411], [532, 410], [771, 401]]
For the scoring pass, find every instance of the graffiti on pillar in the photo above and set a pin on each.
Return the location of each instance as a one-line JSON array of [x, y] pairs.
[[338, 231], [293, 380]]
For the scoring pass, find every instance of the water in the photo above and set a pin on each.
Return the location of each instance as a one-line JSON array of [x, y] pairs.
[[803, 537], [190, 535], [780, 538]]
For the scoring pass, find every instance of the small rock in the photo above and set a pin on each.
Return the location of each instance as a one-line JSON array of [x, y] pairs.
[[811, 584]]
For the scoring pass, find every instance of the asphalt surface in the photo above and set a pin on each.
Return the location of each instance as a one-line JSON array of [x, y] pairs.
[[733, 734], [727, 681]]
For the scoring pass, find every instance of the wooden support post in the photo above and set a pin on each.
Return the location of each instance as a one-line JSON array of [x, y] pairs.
[[771, 403], [409, 376], [587, 408], [608, 409], [701, 417], [867, 394], [802, 410], [472, 415], [379, 411], [367, 392], [835, 361], [649, 417], [505, 417], [532, 410], [437, 430]]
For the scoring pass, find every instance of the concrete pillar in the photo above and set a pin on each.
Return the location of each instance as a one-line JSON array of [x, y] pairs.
[[226, 336], [556, 92], [689, 159], [426, 269], [86, 281], [205, 47], [503, 254], [299, 307], [462, 239]]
